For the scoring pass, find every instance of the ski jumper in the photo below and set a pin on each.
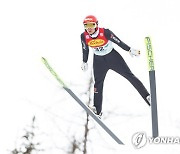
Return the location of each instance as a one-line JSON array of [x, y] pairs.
[[105, 58]]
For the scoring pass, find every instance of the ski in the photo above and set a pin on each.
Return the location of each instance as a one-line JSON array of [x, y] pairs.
[[152, 78], [84, 106]]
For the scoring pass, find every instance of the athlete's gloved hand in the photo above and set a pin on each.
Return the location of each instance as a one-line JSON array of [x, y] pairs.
[[134, 52], [84, 66]]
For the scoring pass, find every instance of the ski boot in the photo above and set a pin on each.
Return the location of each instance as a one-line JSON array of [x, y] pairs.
[[148, 98], [93, 108]]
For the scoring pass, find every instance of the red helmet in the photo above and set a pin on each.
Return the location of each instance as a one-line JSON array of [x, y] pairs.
[[90, 18]]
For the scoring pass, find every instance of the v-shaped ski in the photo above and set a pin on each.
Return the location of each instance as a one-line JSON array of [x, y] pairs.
[[152, 79], [84, 106]]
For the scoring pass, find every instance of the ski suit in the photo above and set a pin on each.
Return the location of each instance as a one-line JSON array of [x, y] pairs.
[[105, 58]]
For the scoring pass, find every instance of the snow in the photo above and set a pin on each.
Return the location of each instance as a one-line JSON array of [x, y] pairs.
[[36, 28]]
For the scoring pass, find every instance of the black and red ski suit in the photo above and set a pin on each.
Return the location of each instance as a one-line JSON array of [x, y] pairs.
[[105, 58]]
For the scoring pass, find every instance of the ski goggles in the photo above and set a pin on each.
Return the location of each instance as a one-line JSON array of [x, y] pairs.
[[90, 25]]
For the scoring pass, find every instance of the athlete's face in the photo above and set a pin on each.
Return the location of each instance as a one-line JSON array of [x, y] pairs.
[[90, 27], [90, 30]]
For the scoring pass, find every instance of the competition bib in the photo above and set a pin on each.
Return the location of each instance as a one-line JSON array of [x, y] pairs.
[[100, 45], [103, 50]]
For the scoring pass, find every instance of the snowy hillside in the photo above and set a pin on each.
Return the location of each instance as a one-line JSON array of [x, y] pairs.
[[36, 28]]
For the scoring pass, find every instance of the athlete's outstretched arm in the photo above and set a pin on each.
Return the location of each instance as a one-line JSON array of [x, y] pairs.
[[112, 37]]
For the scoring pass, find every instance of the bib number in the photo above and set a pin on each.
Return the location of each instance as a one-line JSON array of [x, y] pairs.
[[99, 49], [103, 50]]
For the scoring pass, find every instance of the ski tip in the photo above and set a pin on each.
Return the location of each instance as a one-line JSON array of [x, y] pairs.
[[147, 38], [43, 59]]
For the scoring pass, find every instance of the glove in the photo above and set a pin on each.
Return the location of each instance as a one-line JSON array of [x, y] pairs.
[[84, 66], [134, 52]]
